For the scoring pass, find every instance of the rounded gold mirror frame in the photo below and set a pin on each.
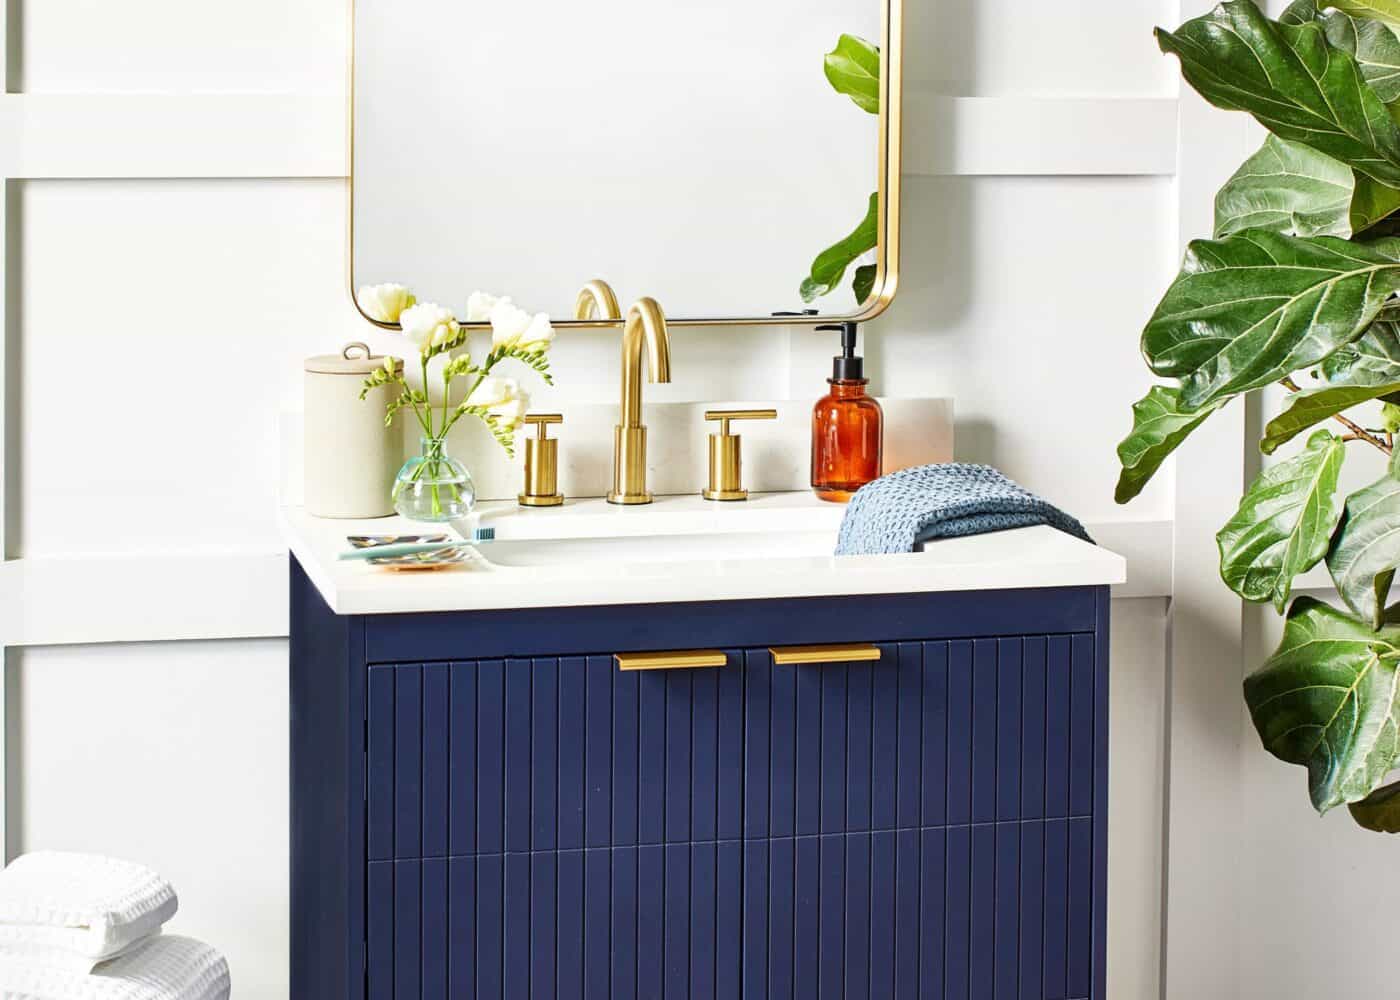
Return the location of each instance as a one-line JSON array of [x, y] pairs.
[[891, 158]]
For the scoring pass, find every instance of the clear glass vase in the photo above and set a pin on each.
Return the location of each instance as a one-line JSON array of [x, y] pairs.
[[434, 486]]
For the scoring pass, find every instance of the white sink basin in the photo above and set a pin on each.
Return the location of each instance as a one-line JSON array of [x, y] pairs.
[[659, 549], [590, 553]]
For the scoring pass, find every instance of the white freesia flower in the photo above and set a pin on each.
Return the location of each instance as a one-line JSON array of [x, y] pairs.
[[480, 305], [493, 391], [508, 322], [429, 325], [503, 398], [385, 303], [538, 335], [514, 327], [511, 415]]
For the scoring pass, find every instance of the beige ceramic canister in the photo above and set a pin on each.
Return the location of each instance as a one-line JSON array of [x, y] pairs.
[[351, 458]]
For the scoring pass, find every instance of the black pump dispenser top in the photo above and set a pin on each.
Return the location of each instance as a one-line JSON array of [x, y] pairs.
[[849, 367]]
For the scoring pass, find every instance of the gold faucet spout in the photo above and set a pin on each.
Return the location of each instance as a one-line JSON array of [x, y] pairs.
[[597, 300], [644, 330]]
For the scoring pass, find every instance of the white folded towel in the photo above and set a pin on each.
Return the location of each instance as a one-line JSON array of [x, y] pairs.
[[72, 911], [162, 968]]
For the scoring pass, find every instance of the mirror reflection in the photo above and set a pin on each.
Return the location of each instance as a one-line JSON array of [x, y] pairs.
[[722, 157]]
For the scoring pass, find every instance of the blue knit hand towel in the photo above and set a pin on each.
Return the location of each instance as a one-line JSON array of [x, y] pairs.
[[904, 509]]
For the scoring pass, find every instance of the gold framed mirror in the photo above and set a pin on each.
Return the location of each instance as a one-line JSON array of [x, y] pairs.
[[713, 154]]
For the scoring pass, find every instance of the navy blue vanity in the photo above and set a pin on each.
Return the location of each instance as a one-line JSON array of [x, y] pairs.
[[483, 805]]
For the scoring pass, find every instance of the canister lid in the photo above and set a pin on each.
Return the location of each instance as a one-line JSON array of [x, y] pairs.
[[354, 359]]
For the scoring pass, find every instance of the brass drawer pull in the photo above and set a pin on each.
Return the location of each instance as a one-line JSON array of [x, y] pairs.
[[690, 659], [856, 653]]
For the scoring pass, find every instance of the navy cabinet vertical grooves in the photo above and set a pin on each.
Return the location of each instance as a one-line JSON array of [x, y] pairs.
[[1101, 772], [462, 769], [928, 825], [544, 755]]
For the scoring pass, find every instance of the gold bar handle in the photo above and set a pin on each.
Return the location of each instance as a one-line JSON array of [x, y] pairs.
[[741, 415], [855, 653], [690, 659]]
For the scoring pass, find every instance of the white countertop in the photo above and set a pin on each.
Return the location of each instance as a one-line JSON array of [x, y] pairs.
[[681, 548]]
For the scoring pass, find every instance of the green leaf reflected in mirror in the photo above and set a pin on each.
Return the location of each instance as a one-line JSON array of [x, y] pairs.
[[853, 69]]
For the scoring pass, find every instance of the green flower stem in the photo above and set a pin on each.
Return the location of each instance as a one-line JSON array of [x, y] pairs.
[[427, 403], [423, 423], [448, 424]]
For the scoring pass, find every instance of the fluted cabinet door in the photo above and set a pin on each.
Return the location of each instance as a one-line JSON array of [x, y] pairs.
[[553, 827], [922, 827]]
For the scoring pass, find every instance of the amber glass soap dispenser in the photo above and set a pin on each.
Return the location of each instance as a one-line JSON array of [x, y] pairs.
[[848, 427]]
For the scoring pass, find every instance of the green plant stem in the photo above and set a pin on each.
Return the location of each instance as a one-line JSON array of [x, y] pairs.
[[425, 423], [427, 403], [481, 377], [1357, 432]]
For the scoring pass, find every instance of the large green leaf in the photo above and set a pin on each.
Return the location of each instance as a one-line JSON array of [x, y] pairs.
[[1374, 46], [1372, 360], [1159, 427], [830, 266], [1293, 80], [1366, 551], [853, 68], [1284, 523], [1382, 10], [1252, 308], [1293, 189], [1379, 811], [864, 282], [1326, 700], [1288, 188], [1310, 408]]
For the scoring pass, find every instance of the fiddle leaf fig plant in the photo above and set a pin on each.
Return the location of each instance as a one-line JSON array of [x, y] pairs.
[[853, 69], [1299, 286]]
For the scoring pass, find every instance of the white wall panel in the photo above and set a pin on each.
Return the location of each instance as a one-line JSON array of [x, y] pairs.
[[1137, 741], [179, 45], [205, 297], [1024, 299], [1071, 47], [173, 755], [161, 324]]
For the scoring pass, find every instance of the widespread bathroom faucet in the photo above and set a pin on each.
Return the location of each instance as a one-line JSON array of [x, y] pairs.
[[645, 326]]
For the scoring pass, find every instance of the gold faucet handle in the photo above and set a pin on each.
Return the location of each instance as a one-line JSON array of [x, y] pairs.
[[542, 464], [542, 421], [726, 455], [724, 416]]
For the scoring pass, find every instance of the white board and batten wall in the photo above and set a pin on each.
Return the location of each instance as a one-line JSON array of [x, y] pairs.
[[175, 243]]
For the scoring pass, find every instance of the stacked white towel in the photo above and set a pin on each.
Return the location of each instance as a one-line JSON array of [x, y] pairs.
[[81, 926], [160, 968]]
